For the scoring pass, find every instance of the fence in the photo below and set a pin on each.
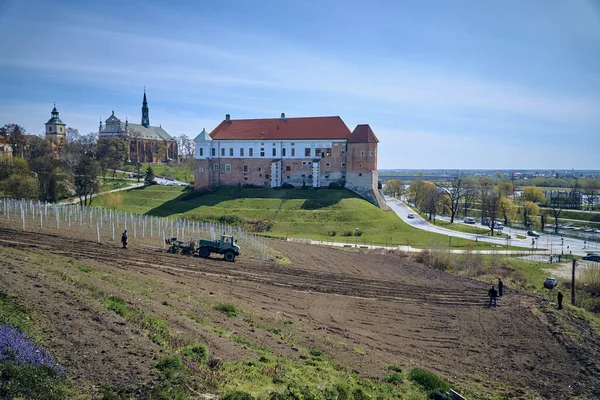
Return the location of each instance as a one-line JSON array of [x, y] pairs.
[[105, 225]]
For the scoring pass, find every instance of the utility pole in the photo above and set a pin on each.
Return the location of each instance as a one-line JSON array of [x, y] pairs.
[[573, 283]]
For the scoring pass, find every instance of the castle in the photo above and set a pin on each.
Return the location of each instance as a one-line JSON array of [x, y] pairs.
[[273, 152]]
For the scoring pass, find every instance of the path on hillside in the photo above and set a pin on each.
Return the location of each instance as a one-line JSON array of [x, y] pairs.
[[392, 309]]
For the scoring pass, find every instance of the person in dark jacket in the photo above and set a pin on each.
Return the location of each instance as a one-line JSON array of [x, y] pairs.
[[493, 293], [500, 287], [124, 239], [560, 297]]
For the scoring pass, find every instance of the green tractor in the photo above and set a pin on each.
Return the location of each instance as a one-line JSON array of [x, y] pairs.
[[226, 246]]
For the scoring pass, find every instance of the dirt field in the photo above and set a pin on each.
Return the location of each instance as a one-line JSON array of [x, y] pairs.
[[364, 310]]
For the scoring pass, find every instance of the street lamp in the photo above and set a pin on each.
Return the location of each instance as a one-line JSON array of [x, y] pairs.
[[355, 237], [562, 247]]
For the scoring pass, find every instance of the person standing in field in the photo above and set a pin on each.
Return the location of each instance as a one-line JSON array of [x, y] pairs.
[[560, 298], [124, 239], [493, 293], [500, 287]]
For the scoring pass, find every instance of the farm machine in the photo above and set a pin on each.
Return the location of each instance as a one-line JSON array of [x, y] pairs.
[[226, 245]]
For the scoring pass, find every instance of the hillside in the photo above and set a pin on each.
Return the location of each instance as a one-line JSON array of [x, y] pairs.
[[139, 323], [325, 214]]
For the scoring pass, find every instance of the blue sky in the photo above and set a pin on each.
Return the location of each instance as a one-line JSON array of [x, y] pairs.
[[443, 84]]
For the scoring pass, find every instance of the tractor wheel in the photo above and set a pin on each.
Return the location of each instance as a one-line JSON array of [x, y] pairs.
[[229, 256], [204, 252]]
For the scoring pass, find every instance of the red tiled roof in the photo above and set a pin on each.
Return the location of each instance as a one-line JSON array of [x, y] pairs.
[[281, 129], [4, 139], [363, 134]]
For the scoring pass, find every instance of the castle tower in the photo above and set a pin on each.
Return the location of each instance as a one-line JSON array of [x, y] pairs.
[[361, 163], [145, 112], [55, 128]]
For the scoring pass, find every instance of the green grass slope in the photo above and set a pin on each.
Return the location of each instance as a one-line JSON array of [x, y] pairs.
[[325, 214]]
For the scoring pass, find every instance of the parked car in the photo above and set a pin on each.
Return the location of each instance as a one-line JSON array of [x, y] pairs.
[[533, 234], [592, 257], [550, 283], [411, 215], [469, 220]]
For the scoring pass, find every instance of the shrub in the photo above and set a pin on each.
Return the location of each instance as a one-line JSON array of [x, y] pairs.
[[226, 308], [237, 395], [170, 366], [287, 186], [274, 331], [331, 233], [394, 368], [196, 352], [429, 381], [394, 378]]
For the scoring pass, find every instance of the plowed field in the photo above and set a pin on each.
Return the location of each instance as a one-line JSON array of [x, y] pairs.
[[364, 310]]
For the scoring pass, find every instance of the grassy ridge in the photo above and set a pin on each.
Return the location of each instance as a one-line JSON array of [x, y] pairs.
[[325, 214]]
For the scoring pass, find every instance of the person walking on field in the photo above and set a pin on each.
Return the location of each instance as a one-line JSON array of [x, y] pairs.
[[124, 239], [493, 293], [500, 287], [560, 297]]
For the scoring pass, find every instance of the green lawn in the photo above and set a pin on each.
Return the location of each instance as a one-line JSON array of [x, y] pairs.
[[325, 214], [180, 172], [462, 227]]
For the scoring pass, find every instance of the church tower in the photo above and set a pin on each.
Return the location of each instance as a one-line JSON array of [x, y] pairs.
[[145, 112], [55, 128]]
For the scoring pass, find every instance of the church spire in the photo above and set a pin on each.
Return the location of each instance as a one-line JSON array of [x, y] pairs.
[[145, 111]]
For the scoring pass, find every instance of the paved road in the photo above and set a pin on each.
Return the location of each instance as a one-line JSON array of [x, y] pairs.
[[553, 243]]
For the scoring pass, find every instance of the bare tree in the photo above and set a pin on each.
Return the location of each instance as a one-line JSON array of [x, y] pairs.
[[16, 135], [454, 190], [591, 189], [557, 204], [490, 202], [432, 198]]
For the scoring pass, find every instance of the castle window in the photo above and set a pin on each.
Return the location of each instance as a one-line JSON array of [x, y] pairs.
[[342, 152], [258, 168], [293, 144], [231, 152], [260, 175], [274, 152], [201, 152], [327, 164], [267, 176], [343, 164], [250, 152], [216, 167], [242, 152], [213, 152], [288, 168], [328, 153], [362, 153], [303, 175], [293, 152], [360, 174], [326, 176], [49, 129], [283, 152], [223, 152], [307, 152], [245, 168], [245, 178], [60, 128], [288, 177], [201, 169], [227, 167], [371, 154], [262, 151]]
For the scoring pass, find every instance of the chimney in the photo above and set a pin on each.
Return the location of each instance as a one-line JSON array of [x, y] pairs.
[[227, 118], [283, 116]]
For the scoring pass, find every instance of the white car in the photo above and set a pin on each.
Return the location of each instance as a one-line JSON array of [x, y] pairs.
[[411, 215]]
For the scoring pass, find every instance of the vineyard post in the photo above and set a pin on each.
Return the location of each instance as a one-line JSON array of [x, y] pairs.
[[98, 231]]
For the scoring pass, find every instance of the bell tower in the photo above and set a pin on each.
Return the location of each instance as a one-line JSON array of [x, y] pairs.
[[55, 128], [145, 112]]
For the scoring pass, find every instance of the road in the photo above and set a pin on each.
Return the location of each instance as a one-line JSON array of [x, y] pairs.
[[553, 243]]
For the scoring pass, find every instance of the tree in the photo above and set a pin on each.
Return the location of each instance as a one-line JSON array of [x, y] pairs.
[[490, 202], [394, 187], [72, 135], [533, 194], [185, 146], [161, 151], [529, 210], [416, 192], [454, 190], [471, 196], [591, 190], [16, 135], [114, 200], [20, 187], [505, 188], [431, 201], [111, 153], [557, 204], [86, 179], [13, 166], [508, 210], [149, 178]]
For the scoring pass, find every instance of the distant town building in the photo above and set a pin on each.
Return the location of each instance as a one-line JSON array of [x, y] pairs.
[[272, 152], [5, 147], [56, 131], [146, 143]]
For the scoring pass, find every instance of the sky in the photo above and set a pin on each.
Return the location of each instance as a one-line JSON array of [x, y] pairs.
[[456, 84]]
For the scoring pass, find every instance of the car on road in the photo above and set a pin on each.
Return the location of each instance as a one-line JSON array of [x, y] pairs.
[[550, 283], [469, 220], [533, 234], [591, 257], [411, 215]]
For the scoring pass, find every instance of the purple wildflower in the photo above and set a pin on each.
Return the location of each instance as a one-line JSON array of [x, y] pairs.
[[16, 347]]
